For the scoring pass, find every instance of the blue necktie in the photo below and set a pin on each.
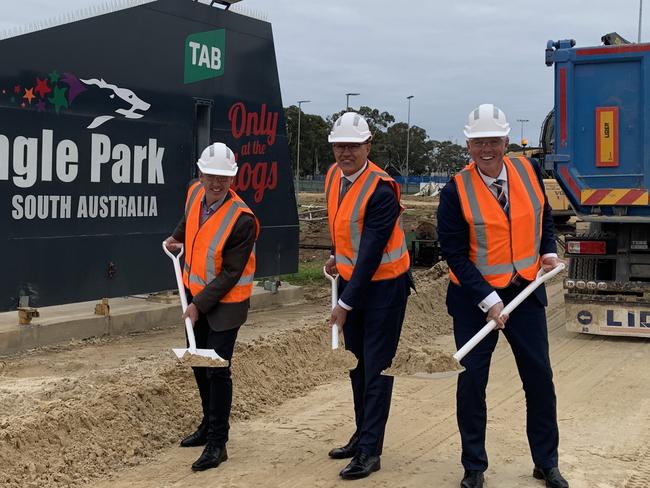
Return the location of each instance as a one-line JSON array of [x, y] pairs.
[[345, 185], [501, 194]]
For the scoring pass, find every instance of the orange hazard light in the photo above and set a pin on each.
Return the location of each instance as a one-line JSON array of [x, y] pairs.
[[607, 136]]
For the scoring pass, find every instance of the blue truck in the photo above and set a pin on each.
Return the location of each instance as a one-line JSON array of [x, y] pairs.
[[601, 158]]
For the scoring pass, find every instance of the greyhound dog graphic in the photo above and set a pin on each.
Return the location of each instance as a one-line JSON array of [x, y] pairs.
[[123, 93]]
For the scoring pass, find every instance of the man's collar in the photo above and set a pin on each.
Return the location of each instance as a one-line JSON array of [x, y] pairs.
[[503, 175], [352, 178], [213, 208]]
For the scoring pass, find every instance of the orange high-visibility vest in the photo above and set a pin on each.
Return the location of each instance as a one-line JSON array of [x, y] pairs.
[[502, 245], [346, 223], [204, 244]]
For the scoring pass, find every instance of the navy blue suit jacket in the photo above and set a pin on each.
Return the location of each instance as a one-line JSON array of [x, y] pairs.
[[360, 292], [453, 234]]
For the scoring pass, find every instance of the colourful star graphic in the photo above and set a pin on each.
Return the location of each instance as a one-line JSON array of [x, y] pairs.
[[58, 100], [76, 87], [41, 87], [17, 89], [23, 105], [29, 95], [41, 106], [54, 77]]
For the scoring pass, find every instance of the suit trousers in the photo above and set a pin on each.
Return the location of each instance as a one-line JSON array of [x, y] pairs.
[[215, 384], [527, 334], [372, 336]]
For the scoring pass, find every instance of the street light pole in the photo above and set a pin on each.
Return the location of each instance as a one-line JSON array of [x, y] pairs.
[[300, 102], [347, 100], [523, 121], [640, 12], [408, 137]]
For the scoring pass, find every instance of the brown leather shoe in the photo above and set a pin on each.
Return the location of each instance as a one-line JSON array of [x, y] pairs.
[[347, 451], [552, 476]]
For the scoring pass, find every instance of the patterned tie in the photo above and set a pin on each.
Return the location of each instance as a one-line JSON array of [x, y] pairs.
[[345, 185], [501, 194]]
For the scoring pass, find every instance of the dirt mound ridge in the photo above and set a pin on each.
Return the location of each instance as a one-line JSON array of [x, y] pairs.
[[89, 421]]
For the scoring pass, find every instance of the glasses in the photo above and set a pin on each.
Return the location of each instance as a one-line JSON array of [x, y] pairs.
[[492, 144], [217, 178], [350, 146]]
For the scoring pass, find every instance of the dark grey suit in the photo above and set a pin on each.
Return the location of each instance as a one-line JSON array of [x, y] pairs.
[[218, 325]]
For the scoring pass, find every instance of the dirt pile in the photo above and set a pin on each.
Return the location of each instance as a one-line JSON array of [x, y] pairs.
[[73, 415], [426, 318], [63, 431]]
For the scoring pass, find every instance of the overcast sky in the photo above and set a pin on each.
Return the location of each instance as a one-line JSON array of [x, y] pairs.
[[451, 55]]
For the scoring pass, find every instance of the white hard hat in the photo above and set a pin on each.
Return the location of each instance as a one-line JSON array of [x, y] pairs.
[[217, 159], [486, 120], [350, 127]]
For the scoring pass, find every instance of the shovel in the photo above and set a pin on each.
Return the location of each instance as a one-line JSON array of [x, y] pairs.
[[489, 327], [335, 301], [191, 356]]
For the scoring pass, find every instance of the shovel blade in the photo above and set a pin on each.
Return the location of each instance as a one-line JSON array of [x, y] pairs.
[[437, 375], [206, 358], [344, 358], [450, 368]]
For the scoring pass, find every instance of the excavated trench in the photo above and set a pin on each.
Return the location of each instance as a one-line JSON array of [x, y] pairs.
[[76, 413]]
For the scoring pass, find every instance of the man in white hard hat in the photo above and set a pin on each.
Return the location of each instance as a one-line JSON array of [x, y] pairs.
[[496, 231], [370, 255], [219, 232]]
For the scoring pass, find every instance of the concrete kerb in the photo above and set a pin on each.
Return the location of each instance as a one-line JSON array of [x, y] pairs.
[[77, 321]]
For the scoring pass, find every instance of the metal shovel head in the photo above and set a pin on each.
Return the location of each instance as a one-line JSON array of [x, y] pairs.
[[206, 358], [427, 364], [438, 375]]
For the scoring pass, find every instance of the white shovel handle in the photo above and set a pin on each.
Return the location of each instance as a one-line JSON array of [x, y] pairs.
[[335, 301], [489, 327], [189, 328]]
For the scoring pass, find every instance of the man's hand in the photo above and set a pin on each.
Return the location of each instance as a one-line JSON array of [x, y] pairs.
[[495, 314], [330, 266], [549, 262], [192, 312], [172, 244], [339, 314]]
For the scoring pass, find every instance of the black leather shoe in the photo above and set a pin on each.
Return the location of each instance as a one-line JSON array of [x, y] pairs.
[[472, 479], [361, 466], [347, 451], [196, 438], [211, 457], [552, 476]]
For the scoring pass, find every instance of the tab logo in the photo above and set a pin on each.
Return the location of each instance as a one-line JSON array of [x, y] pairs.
[[204, 55]]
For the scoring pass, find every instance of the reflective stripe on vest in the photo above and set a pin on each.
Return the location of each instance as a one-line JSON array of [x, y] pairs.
[[191, 196], [202, 267], [523, 249], [395, 254]]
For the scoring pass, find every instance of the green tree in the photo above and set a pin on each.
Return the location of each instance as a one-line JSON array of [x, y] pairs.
[[448, 157], [420, 149], [315, 151]]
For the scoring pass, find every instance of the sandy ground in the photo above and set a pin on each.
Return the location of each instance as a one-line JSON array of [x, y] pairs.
[[109, 414]]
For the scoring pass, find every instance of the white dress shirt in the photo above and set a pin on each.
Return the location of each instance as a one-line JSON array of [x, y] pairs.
[[494, 298]]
